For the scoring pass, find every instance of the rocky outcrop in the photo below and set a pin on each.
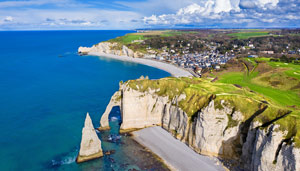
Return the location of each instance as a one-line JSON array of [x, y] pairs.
[[110, 48], [90, 146], [215, 130], [269, 149]]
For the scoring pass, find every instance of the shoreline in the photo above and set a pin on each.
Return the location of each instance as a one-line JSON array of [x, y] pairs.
[[172, 69], [174, 153]]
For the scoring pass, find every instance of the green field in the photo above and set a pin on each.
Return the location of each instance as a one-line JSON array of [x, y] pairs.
[[280, 97], [247, 35], [291, 69], [174, 33], [280, 85], [128, 38]]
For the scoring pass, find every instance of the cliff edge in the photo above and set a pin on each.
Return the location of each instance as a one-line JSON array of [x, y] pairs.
[[215, 119]]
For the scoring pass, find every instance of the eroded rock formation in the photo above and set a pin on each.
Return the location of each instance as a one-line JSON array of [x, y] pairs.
[[114, 101], [90, 146]]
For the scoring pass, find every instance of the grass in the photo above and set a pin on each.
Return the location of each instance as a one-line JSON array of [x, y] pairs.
[[165, 33], [174, 33], [152, 33], [275, 85], [291, 69], [277, 80], [128, 38], [279, 97], [198, 92], [247, 35]]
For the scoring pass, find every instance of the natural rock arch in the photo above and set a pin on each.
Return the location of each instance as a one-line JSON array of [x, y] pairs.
[[114, 102]]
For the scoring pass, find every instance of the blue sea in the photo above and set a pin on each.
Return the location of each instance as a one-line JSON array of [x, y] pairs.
[[46, 89]]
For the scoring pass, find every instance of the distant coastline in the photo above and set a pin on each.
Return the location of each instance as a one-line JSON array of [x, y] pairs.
[[173, 70]]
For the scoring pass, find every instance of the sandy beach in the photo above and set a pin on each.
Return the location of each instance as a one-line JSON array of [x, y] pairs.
[[177, 155], [173, 70]]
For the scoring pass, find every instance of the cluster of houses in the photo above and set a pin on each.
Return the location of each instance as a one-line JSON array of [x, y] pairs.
[[198, 61], [268, 52]]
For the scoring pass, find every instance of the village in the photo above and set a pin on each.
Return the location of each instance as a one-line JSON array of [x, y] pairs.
[[196, 62], [198, 52]]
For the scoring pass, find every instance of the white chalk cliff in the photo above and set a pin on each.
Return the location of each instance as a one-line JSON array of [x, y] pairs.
[[250, 144], [110, 48], [90, 146]]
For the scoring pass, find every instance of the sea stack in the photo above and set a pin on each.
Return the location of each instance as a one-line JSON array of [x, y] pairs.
[[90, 146]]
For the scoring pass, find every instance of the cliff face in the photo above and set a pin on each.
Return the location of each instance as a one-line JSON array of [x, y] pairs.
[[217, 129], [110, 48], [270, 150], [145, 111]]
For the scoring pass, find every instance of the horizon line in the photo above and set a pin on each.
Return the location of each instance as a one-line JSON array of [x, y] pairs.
[[192, 28]]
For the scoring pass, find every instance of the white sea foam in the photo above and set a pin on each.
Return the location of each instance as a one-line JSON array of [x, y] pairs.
[[114, 119], [68, 160], [64, 161]]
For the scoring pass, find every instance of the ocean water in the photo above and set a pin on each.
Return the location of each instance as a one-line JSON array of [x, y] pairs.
[[46, 90]]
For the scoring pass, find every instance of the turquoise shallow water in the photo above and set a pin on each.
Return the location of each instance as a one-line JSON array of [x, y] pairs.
[[46, 90]]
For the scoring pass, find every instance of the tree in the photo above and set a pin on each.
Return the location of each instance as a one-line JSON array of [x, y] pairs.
[[283, 58]]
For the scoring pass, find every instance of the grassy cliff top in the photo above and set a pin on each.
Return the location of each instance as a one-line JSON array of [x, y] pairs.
[[277, 81], [199, 92], [130, 37]]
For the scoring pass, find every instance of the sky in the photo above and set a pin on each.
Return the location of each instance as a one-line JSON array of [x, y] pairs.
[[152, 14]]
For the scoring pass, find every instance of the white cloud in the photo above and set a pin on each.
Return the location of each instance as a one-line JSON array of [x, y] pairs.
[[75, 14], [264, 4], [222, 6], [8, 19], [224, 12], [268, 20], [157, 7], [194, 13], [292, 17], [85, 18]]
